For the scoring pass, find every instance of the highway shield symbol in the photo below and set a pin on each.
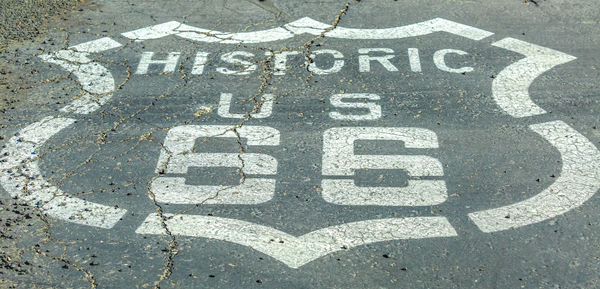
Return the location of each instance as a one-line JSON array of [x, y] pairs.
[[354, 117]]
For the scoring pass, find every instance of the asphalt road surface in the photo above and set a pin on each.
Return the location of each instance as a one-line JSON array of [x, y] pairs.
[[280, 144]]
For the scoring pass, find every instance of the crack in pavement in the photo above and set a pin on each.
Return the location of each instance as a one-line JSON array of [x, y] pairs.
[[308, 45], [258, 102], [268, 73], [7, 259], [87, 273]]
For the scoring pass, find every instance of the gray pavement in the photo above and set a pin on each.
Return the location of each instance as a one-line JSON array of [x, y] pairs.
[[323, 144]]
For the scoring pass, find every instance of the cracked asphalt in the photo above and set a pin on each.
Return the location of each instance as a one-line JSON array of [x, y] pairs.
[[223, 226]]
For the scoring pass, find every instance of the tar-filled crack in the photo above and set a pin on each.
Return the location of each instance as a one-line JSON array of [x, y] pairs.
[[271, 20], [308, 45], [47, 239], [172, 247], [256, 99], [46, 229], [266, 77], [101, 140], [89, 276], [269, 7]]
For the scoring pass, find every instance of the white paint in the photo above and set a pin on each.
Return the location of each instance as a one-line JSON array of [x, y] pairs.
[[266, 108], [95, 46], [339, 160], [21, 148], [579, 180], [338, 63], [417, 193], [280, 61], [414, 59], [177, 156], [306, 25], [252, 191], [170, 63], [153, 32], [21, 177], [83, 212], [302, 26], [199, 63], [232, 58], [86, 103], [364, 60], [74, 58], [211, 36], [95, 80], [440, 61], [337, 100], [258, 164], [20, 174], [412, 30], [297, 251], [510, 88], [181, 139], [93, 77]]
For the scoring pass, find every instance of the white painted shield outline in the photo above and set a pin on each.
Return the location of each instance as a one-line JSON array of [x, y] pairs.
[[579, 179]]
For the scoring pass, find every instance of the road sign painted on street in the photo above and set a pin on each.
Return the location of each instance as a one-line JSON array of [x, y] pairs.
[[426, 173]]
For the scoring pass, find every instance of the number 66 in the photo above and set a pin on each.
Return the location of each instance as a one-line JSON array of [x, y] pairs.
[[338, 160]]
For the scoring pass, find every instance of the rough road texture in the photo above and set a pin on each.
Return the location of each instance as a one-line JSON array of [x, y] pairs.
[[26, 19]]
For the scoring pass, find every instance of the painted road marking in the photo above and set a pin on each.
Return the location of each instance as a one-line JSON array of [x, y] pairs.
[[266, 109], [297, 251], [578, 181], [338, 63], [199, 62], [580, 177], [280, 61], [177, 156], [374, 109], [414, 60], [439, 58], [364, 59], [241, 62], [95, 80], [339, 160], [305, 25], [19, 166], [95, 46], [510, 88], [22, 178], [239, 58], [170, 63]]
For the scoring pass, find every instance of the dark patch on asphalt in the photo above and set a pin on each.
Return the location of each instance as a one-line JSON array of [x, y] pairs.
[[534, 2]]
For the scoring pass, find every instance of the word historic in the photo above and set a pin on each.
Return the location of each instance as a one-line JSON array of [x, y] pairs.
[[322, 62]]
